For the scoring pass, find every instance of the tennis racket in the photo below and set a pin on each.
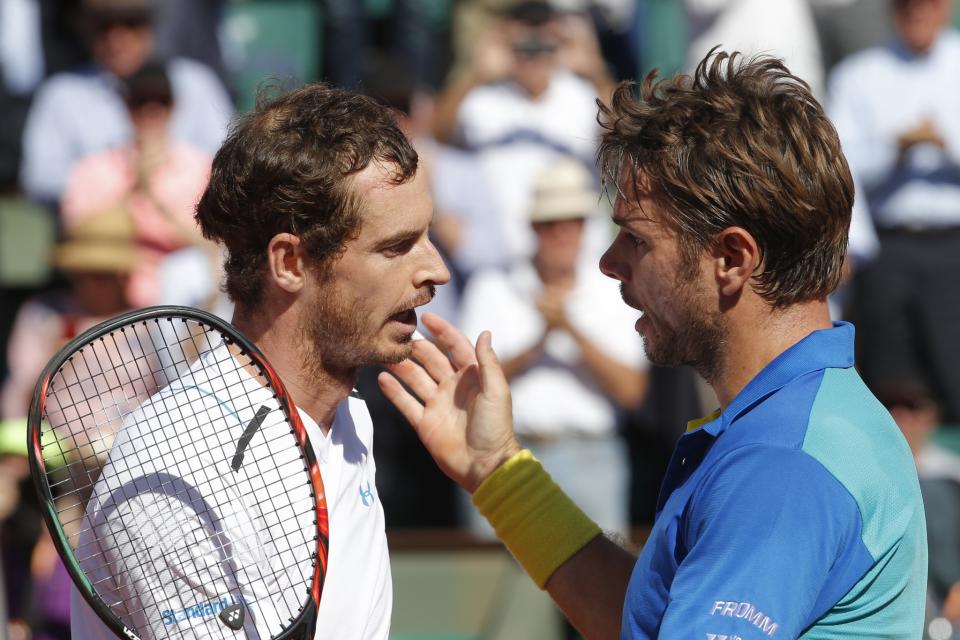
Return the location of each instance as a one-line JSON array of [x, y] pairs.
[[178, 481]]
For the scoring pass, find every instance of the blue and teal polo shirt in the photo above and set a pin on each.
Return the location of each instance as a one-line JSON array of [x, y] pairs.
[[795, 512]]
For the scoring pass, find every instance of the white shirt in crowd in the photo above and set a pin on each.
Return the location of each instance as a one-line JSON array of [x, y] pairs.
[[79, 113], [784, 28], [516, 137], [556, 395], [880, 93]]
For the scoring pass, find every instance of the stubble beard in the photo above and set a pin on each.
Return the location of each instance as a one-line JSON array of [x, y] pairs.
[[698, 338], [334, 341], [338, 342]]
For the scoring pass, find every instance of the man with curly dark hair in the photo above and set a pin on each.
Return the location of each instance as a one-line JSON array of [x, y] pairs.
[[794, 509], [324, 217]]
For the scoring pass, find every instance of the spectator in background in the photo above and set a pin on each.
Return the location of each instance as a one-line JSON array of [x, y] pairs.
[[848, 26], [348, 34], [350, 30], [35, 583], [897, 110], [21, 69], [620, 27], [82, 112], [156, 180], [191, 29], [21, 46], [528, 98], [97, 258], [620, 30], [568, 348], [37, 38], [784, 28]]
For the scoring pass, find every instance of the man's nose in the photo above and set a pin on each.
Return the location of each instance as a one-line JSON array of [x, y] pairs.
[[610, 263], [434, 270]]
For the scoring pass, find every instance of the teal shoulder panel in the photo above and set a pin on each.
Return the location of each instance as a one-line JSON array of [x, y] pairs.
[[855, 438]]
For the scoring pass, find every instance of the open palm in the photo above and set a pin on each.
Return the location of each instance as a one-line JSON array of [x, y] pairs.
[[459, 406]]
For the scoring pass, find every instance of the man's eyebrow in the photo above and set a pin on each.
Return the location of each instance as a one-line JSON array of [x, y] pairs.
[[636, 217], [622, 220], [400, 237], [618, 219]]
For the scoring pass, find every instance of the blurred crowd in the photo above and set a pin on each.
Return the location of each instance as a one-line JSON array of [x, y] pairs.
[[112, 111]]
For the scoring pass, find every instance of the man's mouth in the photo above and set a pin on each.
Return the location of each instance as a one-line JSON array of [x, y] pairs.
[[408, 317], [424, 296], [630, 302]]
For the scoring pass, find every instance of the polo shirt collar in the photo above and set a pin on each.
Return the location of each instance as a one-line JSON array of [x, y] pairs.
[[822, 349]]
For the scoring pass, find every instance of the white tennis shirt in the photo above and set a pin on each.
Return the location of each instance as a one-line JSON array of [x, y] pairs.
[[255, 549]]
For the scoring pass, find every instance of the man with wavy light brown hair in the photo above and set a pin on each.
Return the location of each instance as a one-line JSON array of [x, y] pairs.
[[794, 509]]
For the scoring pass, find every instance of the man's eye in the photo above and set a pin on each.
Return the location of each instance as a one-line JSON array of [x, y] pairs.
[[635, 240], [398, 249]]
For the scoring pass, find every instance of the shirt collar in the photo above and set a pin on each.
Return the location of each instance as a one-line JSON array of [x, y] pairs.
[[822, 349]]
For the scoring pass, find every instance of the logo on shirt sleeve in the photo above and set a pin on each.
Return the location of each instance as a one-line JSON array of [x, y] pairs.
[[366, 495], [744, 611]]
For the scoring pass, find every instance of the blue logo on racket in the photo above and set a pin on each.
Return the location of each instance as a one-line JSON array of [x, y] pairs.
[[206, 609], [366, 496]]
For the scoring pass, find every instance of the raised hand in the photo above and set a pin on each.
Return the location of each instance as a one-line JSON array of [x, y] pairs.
[[552, 305], [925, 132], [461, 409], [580, 52], [492, 59]]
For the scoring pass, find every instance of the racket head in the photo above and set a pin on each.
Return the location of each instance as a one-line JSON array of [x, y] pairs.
[[136, 379]]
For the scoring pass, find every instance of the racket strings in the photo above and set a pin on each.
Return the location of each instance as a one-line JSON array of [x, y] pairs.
[[241, 495], [227, 559], [88, 459], [107, 385], [293, 537], [106, 389], [184, 534]]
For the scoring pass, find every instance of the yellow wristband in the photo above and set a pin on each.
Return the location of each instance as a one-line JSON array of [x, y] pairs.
[[533, 517]]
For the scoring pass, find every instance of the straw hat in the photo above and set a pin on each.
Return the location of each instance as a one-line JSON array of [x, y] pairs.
[[102, 243], [565, 190]]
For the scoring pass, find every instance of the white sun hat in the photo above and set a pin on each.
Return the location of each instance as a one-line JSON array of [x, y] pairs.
[[563, 191]]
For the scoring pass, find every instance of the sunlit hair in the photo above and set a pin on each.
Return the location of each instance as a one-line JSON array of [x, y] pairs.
[[742, 143], [287, 167]]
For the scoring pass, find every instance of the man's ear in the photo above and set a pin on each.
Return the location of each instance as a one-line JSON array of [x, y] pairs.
[[736, 258], [285, 262]]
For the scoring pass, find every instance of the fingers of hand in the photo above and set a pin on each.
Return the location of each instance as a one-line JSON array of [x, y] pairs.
[[491, 373], [406, 404], [467, 387], [434, 361], [417, 378], [451, 340]]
